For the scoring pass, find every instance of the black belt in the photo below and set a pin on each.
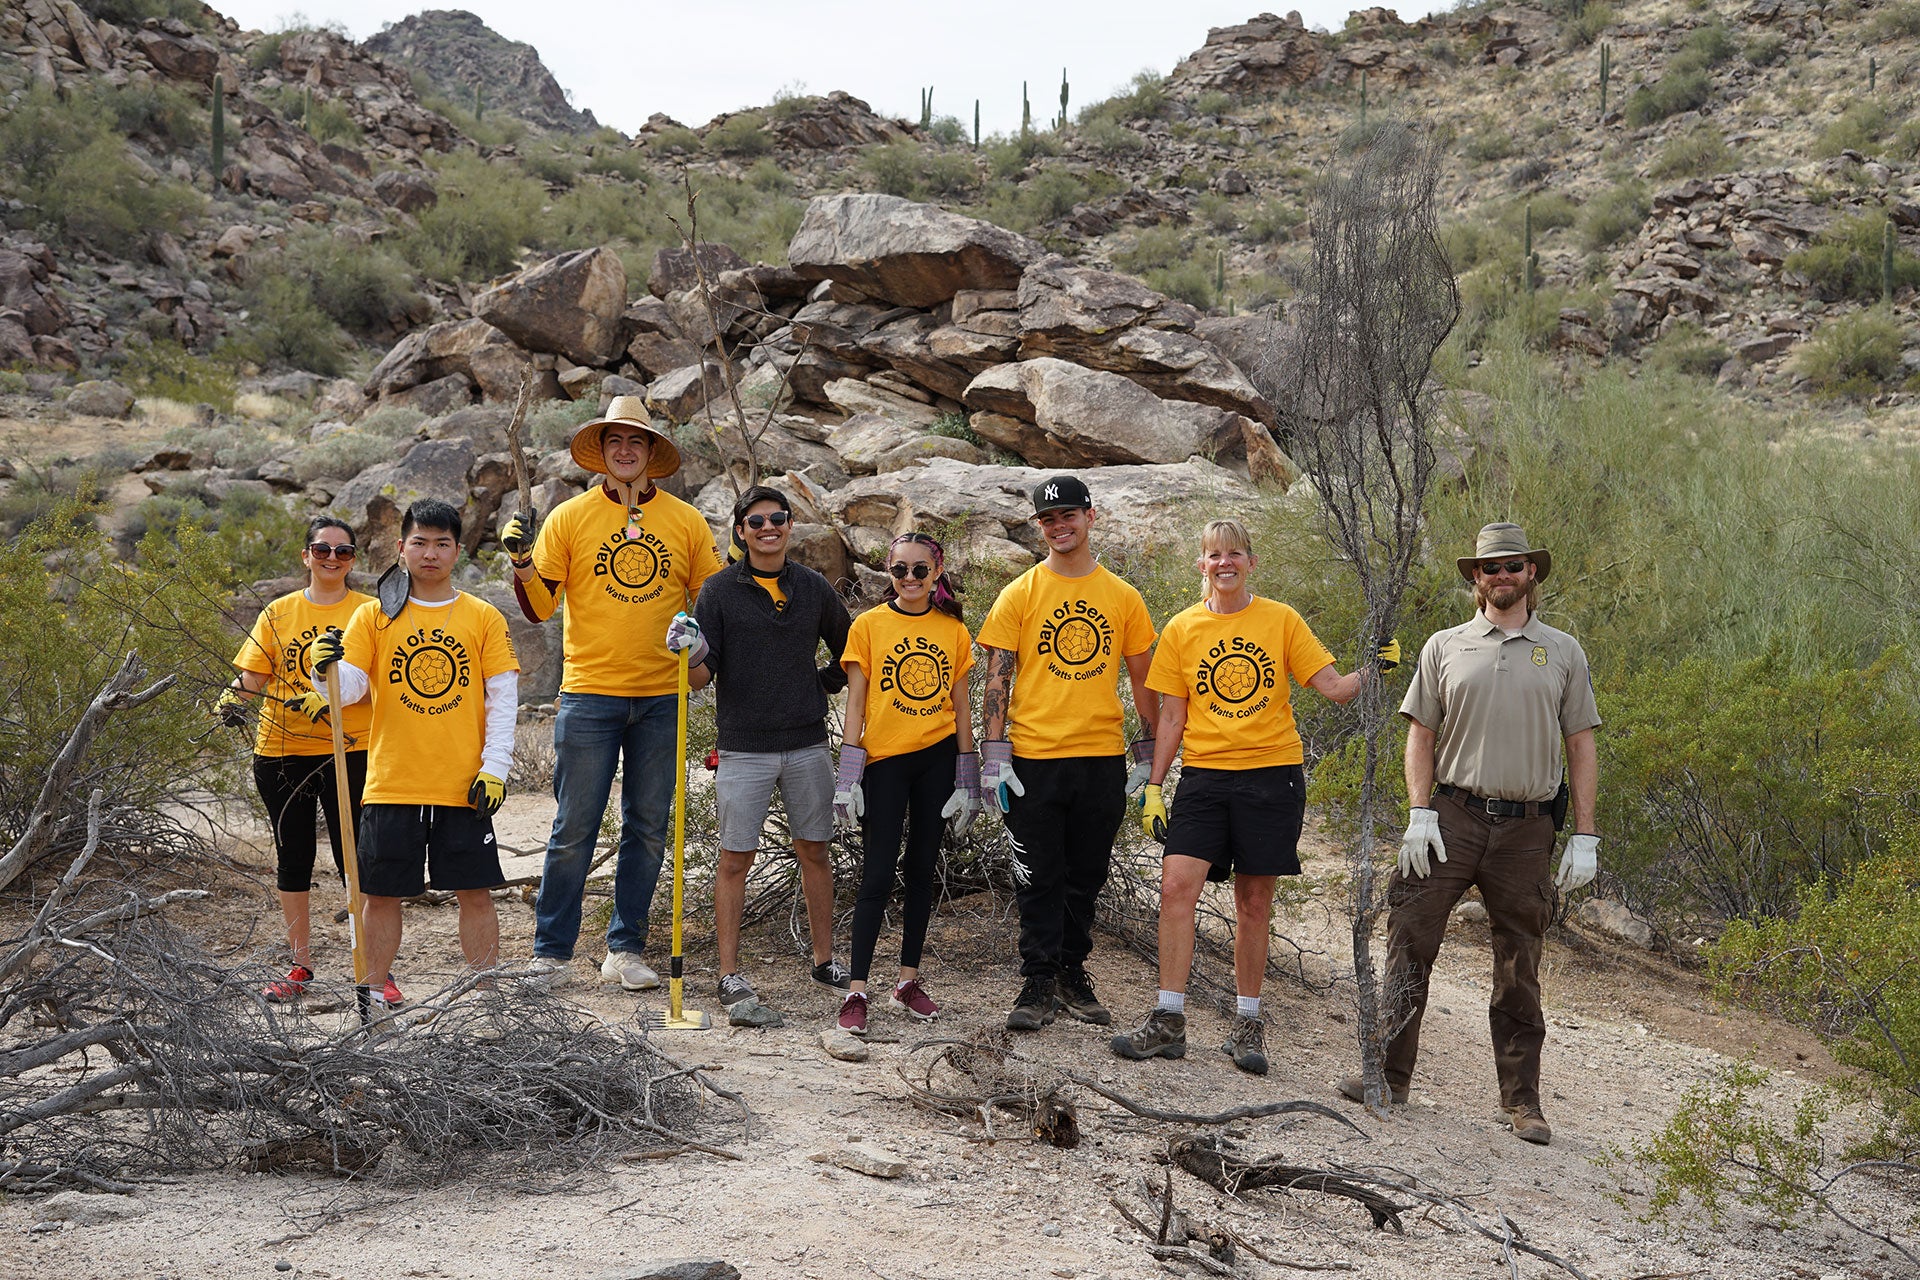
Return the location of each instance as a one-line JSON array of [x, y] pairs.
[[1497, 808]]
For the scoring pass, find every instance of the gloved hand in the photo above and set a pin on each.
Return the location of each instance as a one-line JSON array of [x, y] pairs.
[[684, 633], [1388, 655], [516, 536], [328, 648], [1423, 834], [967, 800], [1579, 864], [311, 705], [849, 806], [231, 708], [1153, 814], [996, 773], [487, 794], [1141, 750]]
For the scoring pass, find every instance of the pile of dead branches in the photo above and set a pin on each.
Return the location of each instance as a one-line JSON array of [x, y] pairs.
[[979, 1076]]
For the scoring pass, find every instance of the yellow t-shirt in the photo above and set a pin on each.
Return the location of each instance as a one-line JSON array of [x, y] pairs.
[[277, 649], [621, 593], [911, 661], [1068, 636], [770, 583], [427, 671], [1232, 669]]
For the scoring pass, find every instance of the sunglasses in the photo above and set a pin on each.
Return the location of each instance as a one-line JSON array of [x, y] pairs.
[[901, 570], [1516, 567], [327, 551], [774, 518]]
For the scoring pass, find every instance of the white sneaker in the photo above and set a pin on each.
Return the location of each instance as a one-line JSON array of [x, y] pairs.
[[627, 969], [547, 973]]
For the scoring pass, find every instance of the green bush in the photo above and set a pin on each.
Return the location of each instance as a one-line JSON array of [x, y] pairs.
[[1487, 143], [286, 328], [1895, 21], [918, 173], [257, 537], [1213, 102], [767, 175], [1145, 98], [677, 138], [374, 439], [949, 131], [1687, 348], [1856, 355], [1157, 246], [171, 372], [1009, 157], [1110, 138], [78, 183], [1023, 207], [329, 120], [1766, 49], [265, 52], [618, 162], [1847, 260], [1585, 27], [1859, 128], [555, 166], [744, 134], [360, 287], [1699, 152], [1671, 94], [1273, 220], [551, 425], [1707, 47], [157, 111], [484, 215], [1613, 215]]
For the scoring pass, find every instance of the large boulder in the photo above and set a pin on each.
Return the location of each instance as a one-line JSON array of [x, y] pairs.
[[373, 501], [180, 57], [429, 353], [23, 288], [1075, 417], [406, 190], [100, 400], [912, 255], [870, 443], [682, 394], [673, 268], [570, 305], [850, 395]]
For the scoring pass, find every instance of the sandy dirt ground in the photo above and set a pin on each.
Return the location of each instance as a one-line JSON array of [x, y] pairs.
[[1629, 1032]]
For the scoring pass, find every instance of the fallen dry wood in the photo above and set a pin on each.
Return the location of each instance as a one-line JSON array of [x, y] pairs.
[[1253, 1112], [1207, 1160]]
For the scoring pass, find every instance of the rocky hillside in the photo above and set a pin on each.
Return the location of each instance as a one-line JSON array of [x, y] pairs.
[[461, 57]]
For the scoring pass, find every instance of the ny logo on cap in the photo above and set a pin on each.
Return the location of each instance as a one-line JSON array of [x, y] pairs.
[[1052, 492]]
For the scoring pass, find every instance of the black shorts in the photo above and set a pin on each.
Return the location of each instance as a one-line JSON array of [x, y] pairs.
[[399, 843], [1244, 820]]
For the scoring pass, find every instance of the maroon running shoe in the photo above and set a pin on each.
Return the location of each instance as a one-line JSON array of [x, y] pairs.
[[911, 999], [853, 1013]]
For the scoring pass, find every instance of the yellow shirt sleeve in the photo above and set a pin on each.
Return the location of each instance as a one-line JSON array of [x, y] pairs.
[[1305, 654]]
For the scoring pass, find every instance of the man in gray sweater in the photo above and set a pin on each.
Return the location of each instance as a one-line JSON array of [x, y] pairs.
[[756, 630]]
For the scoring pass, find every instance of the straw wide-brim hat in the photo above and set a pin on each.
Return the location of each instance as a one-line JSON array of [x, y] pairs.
[[624, 411], [1497, 540]]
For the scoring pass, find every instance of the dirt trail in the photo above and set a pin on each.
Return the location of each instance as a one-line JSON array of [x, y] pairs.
[[1627, 1036]]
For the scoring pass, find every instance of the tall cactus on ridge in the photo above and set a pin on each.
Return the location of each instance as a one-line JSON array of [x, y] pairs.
[[219, 127]]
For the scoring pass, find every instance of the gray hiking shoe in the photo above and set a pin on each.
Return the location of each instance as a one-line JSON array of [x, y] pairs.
[[1162, 1035], [1355, 1088], [734, 989], [1036, 1004], [1247, 1046], [833, 975], [1076, 996]]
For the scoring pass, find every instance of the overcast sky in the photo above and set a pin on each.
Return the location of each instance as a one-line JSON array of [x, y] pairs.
[[625, 61]]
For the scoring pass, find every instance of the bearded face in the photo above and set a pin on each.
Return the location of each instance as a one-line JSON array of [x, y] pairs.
[[1502, 590]]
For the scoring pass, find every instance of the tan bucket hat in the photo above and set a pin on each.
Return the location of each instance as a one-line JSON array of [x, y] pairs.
[[1497, 540], [624, 411]]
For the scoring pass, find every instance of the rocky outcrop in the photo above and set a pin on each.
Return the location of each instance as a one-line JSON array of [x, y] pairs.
[[570, 305], [1056, 414], [455, 50], [373, 501], [903, 253], [831, 123]]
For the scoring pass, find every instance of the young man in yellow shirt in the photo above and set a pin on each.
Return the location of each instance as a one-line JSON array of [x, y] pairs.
[[624, 558], [445, 685], [1054, 758]]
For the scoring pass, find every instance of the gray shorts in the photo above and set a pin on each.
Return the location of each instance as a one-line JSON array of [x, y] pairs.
[[743, 788]]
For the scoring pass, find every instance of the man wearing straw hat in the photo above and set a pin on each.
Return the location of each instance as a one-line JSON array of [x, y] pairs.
[[1491, 705], [625, 557]]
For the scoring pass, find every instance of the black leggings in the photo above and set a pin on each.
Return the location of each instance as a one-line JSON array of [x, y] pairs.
[[288, 787], [903, 794]]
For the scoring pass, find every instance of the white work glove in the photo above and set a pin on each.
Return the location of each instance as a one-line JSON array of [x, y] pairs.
[[1423, 833], [967, 800], [849, 804], [1141, 749], [996, 773], [684, 633], [1579, 864]]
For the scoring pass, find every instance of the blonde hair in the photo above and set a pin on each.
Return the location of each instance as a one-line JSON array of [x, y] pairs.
[[1228, 535]]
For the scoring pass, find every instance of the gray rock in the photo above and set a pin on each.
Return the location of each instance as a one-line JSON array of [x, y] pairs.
[[846, 1047], [580, 381], [373, 501], [441, 395], [570, 305], [860, 1157], [165, 457], [432, 352], [406, 190], [852, 396], [913, 255], [1615, 920], [673, 268], [675, 1269], [682, 394], [101, 399], [1471, 910], [89, 1209], [614, 385], [1084, 417], [293, 386]]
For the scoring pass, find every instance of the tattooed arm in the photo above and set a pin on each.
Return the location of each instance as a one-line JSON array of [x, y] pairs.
[[994, 700]]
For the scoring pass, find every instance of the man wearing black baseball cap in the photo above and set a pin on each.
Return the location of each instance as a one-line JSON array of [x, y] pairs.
[[1055, 755]]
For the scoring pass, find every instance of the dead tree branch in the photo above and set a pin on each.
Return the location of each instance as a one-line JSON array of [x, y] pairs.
[[1254, 1111], [1208, 1160]]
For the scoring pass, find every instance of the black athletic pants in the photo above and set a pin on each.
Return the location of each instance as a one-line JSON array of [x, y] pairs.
[[288, 786], [904, 794], [1063, 830]]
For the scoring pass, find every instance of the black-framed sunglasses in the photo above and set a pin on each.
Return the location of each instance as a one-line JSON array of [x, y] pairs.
[[900, 570], [327, 551], [1515, 567], [774, 518]]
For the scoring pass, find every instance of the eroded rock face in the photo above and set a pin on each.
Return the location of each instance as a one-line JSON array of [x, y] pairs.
[[373, 501], [1075, 416], [911, 255], [570, 305]]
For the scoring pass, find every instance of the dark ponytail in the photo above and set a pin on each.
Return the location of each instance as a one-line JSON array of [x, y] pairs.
[[944, 596]]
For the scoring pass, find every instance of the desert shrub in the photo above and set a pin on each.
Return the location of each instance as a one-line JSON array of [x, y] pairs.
[[286, 328], [1487, 143], [551, 425], [1584, 27], [790, 100], [767, 175], [1708, 46], [618, 162], [949, 131], [169, 371], [1475, 241], [1859, 128], [158, 111], [1273, 220], [744, 134], [1214, 102], [1025, 206], [1157, 246], [1847, 260], [1110, 138], [76, 180], [1687, 348], [920, 173], [1672, 93], [1895, 21], [1697, 153], [1856, 355], [1009, 157], [1552, 210], [1765, 49], [360, 287], [257, 537], [677, 138], [955, 427], [373, 439], [1613, 215], [1145, 98], [484, 215], [329, 120], [265, 52], [555, 166]]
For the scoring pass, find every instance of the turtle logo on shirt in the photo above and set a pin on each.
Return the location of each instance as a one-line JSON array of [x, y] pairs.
[[1233, 671], [920, 671], [293, 657], [1073, 635], [634, 570], [427, 666]]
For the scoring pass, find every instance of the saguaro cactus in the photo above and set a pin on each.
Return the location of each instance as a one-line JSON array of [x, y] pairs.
[[1220, 273], [219, 127], [479, 103], [1363, 99], [1063, 97], [976, 124], [1606, 74], [926, 107], [1886, 262], [1026, 111], [1530, 261]]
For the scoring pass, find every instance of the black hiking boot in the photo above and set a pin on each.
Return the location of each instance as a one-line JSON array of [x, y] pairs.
[[1037, 1003], [1077, 998]]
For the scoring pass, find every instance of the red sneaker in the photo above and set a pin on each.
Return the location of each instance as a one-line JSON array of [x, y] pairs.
[[853, 1013], [290, 988], [390, 992], [910, 999]]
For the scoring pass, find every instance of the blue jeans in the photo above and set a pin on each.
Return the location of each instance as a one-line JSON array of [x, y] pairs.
[[590, 734]]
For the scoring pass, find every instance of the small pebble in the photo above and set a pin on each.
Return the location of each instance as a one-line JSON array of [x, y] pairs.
[[281, 1264], [1051, 1229]]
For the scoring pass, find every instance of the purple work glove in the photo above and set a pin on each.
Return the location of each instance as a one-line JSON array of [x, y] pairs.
[[967, 800], [849, 806]]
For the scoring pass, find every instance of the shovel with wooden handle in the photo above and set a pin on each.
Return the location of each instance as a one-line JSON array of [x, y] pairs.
[[678, 1017], [356, 905]]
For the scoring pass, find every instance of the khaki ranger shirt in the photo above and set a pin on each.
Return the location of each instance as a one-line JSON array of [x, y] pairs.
[[1501, 705]]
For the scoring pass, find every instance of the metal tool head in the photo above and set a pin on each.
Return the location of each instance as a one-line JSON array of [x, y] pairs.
[[666, 1020], [392, 589]]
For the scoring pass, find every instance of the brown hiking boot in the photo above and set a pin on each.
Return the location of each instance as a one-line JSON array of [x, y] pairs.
[[1356, 1088], [1162, 1035], [1529, 1124]]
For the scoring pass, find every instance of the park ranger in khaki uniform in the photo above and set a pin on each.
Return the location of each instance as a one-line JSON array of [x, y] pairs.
[[1490, 706]]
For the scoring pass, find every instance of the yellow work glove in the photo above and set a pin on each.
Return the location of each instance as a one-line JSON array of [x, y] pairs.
[[311, 705], [517, 537], [487, 794], [1153, 814], [328, 648], [1388, 656], [232, 708]]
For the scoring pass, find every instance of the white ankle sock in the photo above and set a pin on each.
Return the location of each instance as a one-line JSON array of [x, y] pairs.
[[1249, 1006], [1173, 1001]]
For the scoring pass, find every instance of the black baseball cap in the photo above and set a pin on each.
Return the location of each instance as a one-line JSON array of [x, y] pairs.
[[1060, 491]]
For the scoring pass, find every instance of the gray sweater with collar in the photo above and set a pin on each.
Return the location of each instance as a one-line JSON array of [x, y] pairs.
[[769, 693]]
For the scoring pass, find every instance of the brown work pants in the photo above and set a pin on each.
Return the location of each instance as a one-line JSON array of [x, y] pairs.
[[1508, 858]]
